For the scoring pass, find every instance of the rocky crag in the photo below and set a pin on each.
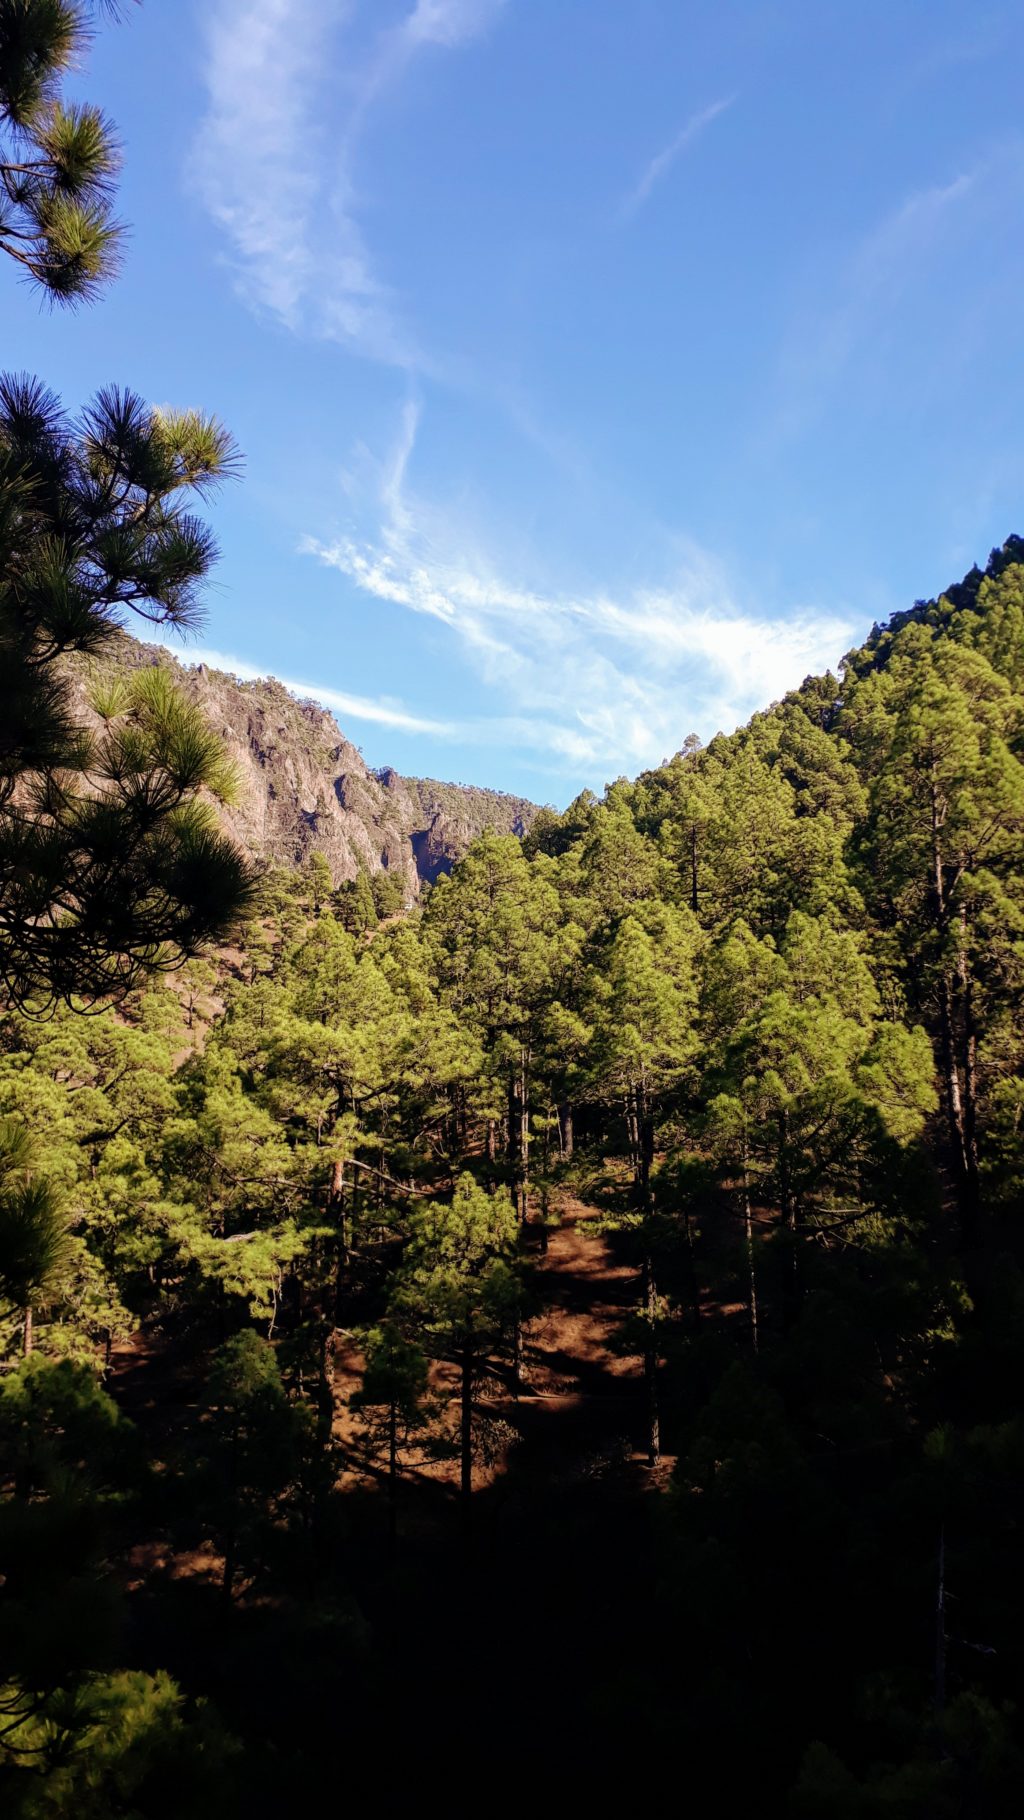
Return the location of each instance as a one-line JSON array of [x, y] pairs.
[[305, 787]]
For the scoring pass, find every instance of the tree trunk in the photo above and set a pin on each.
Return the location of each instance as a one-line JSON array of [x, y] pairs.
[[337, 1205], [965, 1180], [789, 1214], [692, 1278], [512, 1140], [325, 1385], [26, 1337], [651, 1363], [646, 1133], [566, 1129], [524, 1138], [632, 1134], [961, 1123], [518, 1357], [940, 1630], [466, 1431], [972, 1183], [393, 1476], [748, 1222]]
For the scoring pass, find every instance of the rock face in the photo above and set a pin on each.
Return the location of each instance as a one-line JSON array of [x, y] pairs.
[[304, 786]]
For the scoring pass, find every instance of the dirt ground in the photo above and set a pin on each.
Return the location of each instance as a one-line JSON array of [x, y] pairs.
[[577, 1417], [578, 1412]]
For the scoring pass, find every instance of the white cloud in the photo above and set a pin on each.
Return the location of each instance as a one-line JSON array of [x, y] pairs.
[[255, 172], [448, 22], [847, 314], [602, 683], [663, 161], [274, 158], [384, 711]]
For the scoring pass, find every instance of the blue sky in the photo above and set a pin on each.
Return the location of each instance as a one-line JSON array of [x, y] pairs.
[[601, 366]]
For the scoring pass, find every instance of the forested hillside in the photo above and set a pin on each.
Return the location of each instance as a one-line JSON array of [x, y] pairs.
[[577, 1323]]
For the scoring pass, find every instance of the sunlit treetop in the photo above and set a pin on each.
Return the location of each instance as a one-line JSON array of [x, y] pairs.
[[58, 159]]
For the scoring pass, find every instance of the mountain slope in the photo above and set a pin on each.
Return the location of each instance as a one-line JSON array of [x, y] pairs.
[[305, 787]]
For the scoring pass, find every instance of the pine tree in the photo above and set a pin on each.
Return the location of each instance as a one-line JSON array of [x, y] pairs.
[[247, 1455], [33, 1228], [319, 880], [111, 863], [938, 732], [645, 993], [58, 160], [459, 1281], [395, 1384], [493, 933]]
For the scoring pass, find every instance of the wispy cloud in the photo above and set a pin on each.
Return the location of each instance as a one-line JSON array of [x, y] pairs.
[[448, 22], [274, 160], [663, 161], [883, 266], [596, 683], [853, 307], [384, 711]]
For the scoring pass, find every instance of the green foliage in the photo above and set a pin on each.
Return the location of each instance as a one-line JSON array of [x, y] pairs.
[[356, 903], [55, 1419], [125, 1743], [319, 880], [34, 1239], [111, 861], [247, 1454], [58, 160], [459, 1278], [760, 1009]]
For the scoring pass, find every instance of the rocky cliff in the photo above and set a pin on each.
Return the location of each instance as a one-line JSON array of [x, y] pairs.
[[304, 786]]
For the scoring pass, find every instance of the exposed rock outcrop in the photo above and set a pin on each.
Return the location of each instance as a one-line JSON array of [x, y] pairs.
[[304, 786]]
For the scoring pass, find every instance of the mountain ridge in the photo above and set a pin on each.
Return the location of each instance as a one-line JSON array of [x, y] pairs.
[[305, 787]]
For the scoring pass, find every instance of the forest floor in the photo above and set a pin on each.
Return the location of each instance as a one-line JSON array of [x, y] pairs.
[[552, 1592], [578, 1413], [550, 1597], [576, 1420]]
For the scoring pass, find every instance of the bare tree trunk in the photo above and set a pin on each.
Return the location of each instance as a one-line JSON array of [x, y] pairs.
[[951, 1083], [691, 1273], [518, 1357], [325, 1385], [646, 1132], [513, 1139], [632, 1133], [940, 1630], [524, 1138], [972, 1183], [26, 1339], [651, 1363], [466, 1432], [566, 1129], [337, 1205], [789, 1214], [393, 1476], [962, 1143], [749, 1227]]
